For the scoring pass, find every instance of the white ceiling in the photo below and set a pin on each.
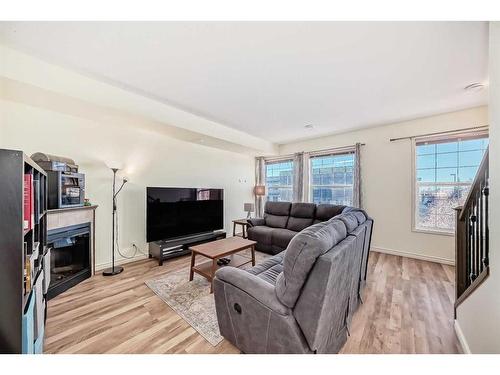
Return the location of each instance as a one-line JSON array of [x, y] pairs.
[[271, 79]]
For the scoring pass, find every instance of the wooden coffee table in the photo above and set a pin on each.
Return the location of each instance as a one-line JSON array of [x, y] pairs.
[[225, 248]]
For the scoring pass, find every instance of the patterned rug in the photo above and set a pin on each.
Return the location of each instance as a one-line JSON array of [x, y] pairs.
[[192, 300]]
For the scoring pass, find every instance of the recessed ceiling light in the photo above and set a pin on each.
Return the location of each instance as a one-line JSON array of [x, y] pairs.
[[309, 126], [474, 87]]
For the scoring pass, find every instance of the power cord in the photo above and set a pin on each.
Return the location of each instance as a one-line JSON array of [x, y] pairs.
[[117, 242], [139, 249], [136, 248]]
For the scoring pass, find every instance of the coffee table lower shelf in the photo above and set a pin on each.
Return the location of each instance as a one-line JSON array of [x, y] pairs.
[[225, 248], [205, 269]]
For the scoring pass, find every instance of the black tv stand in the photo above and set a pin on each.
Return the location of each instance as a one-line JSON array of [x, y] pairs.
[[175, 247]]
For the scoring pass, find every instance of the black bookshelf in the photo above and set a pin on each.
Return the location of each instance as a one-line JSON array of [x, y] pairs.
[[24, 257]]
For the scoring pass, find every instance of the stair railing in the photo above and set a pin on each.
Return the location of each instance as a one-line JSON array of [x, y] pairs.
[[472, 236]]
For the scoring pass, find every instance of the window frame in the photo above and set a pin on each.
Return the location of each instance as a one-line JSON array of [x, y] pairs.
[[277, 161], [310, 185], [414, 186]]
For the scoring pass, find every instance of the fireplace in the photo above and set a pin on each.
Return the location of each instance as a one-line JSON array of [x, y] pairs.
[[70, 257]]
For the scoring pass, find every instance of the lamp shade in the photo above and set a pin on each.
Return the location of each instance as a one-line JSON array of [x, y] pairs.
[[260, 190], [249, 207]]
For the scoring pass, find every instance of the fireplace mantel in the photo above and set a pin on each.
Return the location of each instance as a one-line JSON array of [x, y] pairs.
[[65, 217]]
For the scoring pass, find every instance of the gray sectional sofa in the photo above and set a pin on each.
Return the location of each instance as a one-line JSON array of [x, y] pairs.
[[283, 220], [303, 299]]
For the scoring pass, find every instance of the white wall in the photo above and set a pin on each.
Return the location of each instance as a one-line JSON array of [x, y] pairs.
[[387, 180], [93, 137], [479, 315]]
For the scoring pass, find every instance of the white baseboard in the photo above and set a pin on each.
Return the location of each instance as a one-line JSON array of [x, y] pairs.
[[428, 258], [102, 266], [461, 338]]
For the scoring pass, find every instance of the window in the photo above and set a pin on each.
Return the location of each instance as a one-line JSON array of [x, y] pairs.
[[444, 172], [331, 179], [279, 180]]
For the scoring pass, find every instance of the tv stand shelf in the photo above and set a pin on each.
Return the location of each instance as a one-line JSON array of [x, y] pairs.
[[167, 249]]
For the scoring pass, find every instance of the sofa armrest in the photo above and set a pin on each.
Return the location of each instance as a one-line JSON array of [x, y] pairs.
[[254, 286], [254, 222]]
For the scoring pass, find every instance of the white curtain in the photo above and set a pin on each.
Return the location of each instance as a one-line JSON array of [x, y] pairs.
[[356, 193], [260, 179]]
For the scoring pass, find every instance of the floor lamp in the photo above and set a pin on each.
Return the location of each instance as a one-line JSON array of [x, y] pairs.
[[114, 270]]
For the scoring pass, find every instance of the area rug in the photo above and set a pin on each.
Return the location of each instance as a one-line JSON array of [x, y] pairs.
[[192, 300]]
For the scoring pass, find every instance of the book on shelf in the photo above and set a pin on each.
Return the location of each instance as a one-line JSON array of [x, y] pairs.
[[36, 200], [32, 205], [35, 258], [25, 274], [43, 205], [28, 218], [28, 275]]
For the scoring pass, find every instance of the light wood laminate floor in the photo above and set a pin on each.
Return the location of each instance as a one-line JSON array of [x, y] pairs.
[[408, 309]]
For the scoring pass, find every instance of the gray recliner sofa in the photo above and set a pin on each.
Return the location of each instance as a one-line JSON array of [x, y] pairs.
[[303, 299], [283, 220]]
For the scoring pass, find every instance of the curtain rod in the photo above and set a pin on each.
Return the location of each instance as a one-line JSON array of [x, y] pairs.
[[290, 156], [439, 133], [335, 149]]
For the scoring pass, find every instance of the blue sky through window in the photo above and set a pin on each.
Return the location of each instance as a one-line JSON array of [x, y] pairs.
[[444, 173]]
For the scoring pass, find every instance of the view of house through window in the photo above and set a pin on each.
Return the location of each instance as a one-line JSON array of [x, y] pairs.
[[331, 179], [279, 180], [445, 170]]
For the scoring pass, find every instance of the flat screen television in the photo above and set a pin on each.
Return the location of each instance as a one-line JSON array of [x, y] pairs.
[[176, 212]]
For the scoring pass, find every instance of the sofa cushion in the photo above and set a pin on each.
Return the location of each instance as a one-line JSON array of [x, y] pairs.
[[305, 210], [301, 216], [255, 221], [261, 234], [282, 237], [301, 254], [271, 275], [266, 264], [276, 214], [298, 223], [277, 208], [266, 248], [360, 215], [325, 212], [269, 269], [275, 221], [350, 220]]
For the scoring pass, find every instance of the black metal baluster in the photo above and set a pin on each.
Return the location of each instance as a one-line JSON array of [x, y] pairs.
[[473, 243], [477, 233], [467, 248], [480, 223], [486, 193]]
